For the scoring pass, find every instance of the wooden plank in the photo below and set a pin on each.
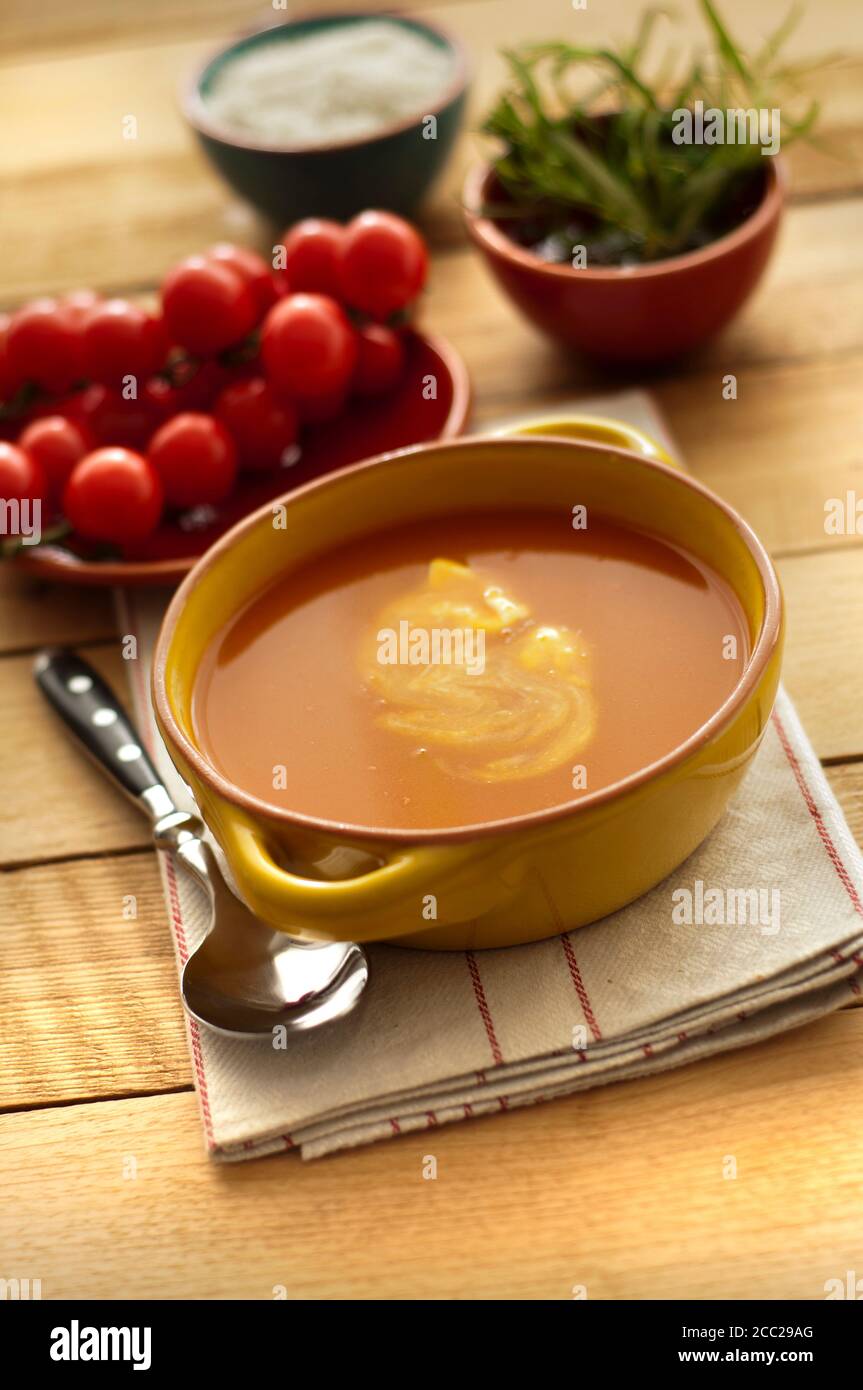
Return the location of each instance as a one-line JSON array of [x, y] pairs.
[[88, 990], [55, 803], [824, 654], [810, 303], [58, 27], [846, 779], [96, 23], [821, 173], [34, 614], [620, 1189], [124, 238], [134, 217], [786, 446]]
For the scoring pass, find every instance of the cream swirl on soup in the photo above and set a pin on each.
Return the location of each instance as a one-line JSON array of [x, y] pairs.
[[525, 709]]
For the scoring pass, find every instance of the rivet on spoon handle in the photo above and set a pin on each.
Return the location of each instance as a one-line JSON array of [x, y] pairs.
[[91, 710]]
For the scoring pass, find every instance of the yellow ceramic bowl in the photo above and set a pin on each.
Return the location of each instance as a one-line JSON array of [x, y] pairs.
[[502, 882]]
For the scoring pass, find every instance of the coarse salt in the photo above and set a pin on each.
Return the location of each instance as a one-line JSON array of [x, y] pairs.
[[345, 83]]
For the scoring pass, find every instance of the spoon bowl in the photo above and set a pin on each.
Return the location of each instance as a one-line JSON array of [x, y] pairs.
[[244, 979]]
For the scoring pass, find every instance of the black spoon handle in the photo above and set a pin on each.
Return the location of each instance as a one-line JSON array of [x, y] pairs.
[[92, 712]]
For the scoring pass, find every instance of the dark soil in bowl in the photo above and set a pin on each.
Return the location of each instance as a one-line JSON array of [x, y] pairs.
[[554, 234]]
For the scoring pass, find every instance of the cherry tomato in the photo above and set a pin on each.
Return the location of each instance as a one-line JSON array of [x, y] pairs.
[[57, 444], [195, 392], [252, 270], [313, 250], [21, 480], [80, 304], [65, 404], [262, 427], [160, 396], [380, 360], [384, 263], [308, 346], [84, 407], [43, 342], [76, 406], [111, 418], [8, 384], [121, 340], [113, 495], [317, 410], [195, 458], [208, 307]]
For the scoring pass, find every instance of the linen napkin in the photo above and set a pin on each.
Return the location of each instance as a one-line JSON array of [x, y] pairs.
[[760, 930]]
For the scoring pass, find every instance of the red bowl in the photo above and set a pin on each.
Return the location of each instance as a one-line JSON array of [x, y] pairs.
[[639, 314]]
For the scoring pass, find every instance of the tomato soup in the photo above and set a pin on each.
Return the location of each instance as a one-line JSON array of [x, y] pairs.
[[467, 669]]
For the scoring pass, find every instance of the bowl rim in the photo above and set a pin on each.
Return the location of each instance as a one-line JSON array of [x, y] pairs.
[[488, 236], [195, 111], [760, 656]]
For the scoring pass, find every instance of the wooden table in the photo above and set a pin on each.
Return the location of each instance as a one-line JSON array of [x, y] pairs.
[[620, 1189]]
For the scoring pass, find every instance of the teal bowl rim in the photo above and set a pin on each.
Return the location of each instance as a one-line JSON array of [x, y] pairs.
[[194, 107]]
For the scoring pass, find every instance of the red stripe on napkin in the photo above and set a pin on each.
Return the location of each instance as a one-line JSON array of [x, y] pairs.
[[482, 1005], [580, 990], [815, 813]]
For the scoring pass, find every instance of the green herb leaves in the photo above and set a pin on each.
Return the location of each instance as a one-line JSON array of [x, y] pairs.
[[592, 152]]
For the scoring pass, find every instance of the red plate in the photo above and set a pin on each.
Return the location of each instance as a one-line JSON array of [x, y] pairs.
[[406, 416]]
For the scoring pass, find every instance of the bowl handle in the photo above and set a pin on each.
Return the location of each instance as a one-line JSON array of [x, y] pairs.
[[594, 429], [387, 901]]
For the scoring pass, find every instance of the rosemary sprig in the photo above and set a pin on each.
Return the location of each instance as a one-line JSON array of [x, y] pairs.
[[602, 165]]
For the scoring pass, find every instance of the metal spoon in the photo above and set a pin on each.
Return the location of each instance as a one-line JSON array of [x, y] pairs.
[[244, 979]]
